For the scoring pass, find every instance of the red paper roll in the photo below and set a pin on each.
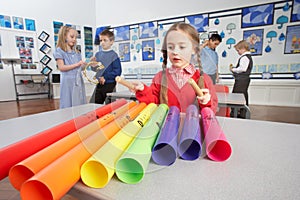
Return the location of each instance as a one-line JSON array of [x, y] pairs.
[[14, 153]]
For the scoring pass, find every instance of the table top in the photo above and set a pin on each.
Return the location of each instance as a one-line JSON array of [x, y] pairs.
[[264, 163], [223, 98]]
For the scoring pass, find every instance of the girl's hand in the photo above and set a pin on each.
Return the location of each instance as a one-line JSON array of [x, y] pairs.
[[101, 80], [81, 63], [138, 86], [205, 98]]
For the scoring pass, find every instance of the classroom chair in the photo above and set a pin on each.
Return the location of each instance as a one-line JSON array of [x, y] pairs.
[[222, 111]]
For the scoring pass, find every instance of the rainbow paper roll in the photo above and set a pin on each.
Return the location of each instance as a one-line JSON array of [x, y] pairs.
[[164, 151], [12, 153], [55, 180], [217, 146], [131, 166], [25, 169], [189, 147], [97, 171]]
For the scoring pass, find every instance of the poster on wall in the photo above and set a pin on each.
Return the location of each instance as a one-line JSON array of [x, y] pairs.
[[20, 41], [148, 30], [148, 51], [56, 26], [5, 21], [122, 33], [29, 42], [30, 24], [292, 42], [200, 22], [25, 55], [124, 52], [295, 14], [257, 15], [255, 40], [18, 23]]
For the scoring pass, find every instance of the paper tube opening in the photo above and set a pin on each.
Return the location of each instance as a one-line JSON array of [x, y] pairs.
[[189, 149], [164, 154], [18, 174], [219, 150], [129, 170], [94, 174], [34, 189]]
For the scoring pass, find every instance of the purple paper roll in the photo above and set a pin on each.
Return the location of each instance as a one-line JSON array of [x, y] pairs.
[[189, 147], [164, 151]]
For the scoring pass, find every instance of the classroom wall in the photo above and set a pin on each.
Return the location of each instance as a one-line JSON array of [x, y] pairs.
[[75, 12]]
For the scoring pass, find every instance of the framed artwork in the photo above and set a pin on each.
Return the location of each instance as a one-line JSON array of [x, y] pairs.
[[46, 71], [255, 40], [122, 33], [18, 23], [124, 52], [45, 60], [148, 50], [5, 21], [200, 22], [45, 48], [292, 42], [295, 14], [261, 15], [30, 24], [43, 36], [148, 30]]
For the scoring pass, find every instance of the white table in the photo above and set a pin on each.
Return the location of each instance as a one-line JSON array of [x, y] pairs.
[[232, 100], [264, 163]]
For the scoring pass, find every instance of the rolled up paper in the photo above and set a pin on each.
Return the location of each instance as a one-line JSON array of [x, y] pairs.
[[217, 146], [14, 153], [54, 181], [131, 166], [97, 171], [198, 91], [189, 147], [164, 151], [125, 83], [25, 169]]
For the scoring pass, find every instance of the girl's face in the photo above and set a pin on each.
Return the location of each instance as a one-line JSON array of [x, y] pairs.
[[71, 38], [179, 48], [105, 42]]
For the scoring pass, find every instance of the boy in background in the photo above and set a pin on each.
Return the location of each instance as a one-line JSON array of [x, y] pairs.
[[209, 57], [112, 67]]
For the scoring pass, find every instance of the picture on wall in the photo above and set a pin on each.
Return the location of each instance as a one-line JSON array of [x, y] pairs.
[[122, 33], [18, 23], [255, 40], [45, 60], [56, 27], [46, 71], [292, 42], [148, 51], [25, 55], [295, 14], [200, 22], [261, 15], [148, 30], [5, 21], [43, 36], [45, 48], [29, 42], [30, 24], [20, 41], [124, 52]]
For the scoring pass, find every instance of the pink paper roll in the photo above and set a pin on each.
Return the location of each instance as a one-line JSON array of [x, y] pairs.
[[217, 146]]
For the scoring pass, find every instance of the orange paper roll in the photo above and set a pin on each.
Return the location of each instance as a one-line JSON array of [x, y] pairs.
[[14, 153], [54, 181], [22, 171], [125, 83], [195, 87], [97, 170]]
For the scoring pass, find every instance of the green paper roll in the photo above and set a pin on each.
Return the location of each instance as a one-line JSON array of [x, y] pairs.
[[131, 166], [97, 171]]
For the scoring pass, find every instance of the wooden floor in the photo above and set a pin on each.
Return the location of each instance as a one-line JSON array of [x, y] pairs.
[[27, 107]]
